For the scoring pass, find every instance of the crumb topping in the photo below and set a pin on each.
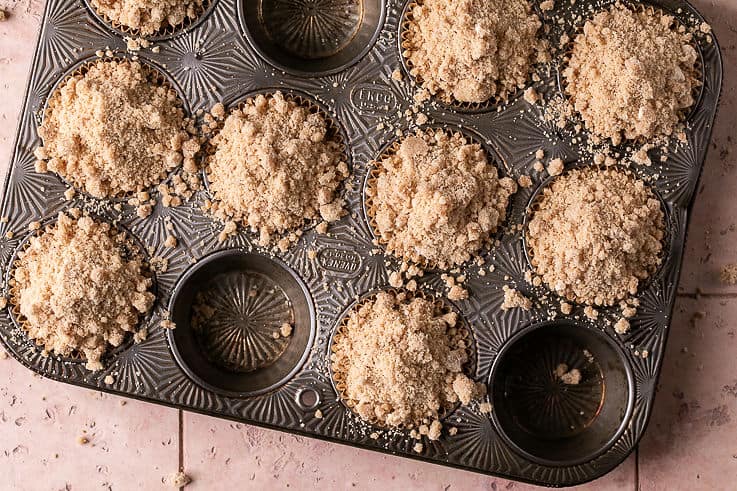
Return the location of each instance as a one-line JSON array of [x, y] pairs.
[[473, 50], [148, 16], [632, 73], [77, 290], [274, 167], [514, 299], [400, 360], [566, 376], [132, 134], [437, 199], [595, 234]]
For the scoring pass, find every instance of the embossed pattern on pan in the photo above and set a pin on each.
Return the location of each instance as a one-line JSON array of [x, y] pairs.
[[213, 61]]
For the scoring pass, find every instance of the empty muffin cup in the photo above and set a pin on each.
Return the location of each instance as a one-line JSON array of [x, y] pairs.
[[562, 393], [244, 323], [312, 37]]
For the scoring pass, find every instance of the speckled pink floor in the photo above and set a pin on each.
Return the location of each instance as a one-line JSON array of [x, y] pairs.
[[691, 442]]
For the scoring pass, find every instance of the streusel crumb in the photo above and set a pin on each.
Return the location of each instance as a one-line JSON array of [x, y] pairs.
[[400, 361], [632, 73], [77, 291], [513, 299], [178, 480], [728, 274], [132, 135], [274, 167], [473, 50], [438, 199], [568, 377], [595, 234], [148, 16]]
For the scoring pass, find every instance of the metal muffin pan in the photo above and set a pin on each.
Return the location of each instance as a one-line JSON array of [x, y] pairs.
[[240, 47]]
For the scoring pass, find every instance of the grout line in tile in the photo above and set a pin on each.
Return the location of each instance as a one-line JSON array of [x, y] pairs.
[[180, 417], [706, 295]]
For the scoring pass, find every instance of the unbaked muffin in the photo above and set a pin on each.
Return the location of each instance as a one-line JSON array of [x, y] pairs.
[[274, 167], [473, 50], [595, 234], [76, 291], [436, 199], [114, 129], [632, 74], [398, 360]]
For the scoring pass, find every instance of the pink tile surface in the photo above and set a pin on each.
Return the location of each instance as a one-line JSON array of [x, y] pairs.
[[692, 439], [712, 241], [224, 455], [690, 444], [132, 445], [17, 41]]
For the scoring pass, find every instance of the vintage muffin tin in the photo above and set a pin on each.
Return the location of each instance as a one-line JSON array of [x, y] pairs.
[[538, 431]]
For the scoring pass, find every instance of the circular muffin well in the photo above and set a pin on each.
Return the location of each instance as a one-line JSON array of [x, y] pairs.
[[374, 172], [241, 357], [312, 39], [442, 307], [131, 247], [157, 76], [562, 393]]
